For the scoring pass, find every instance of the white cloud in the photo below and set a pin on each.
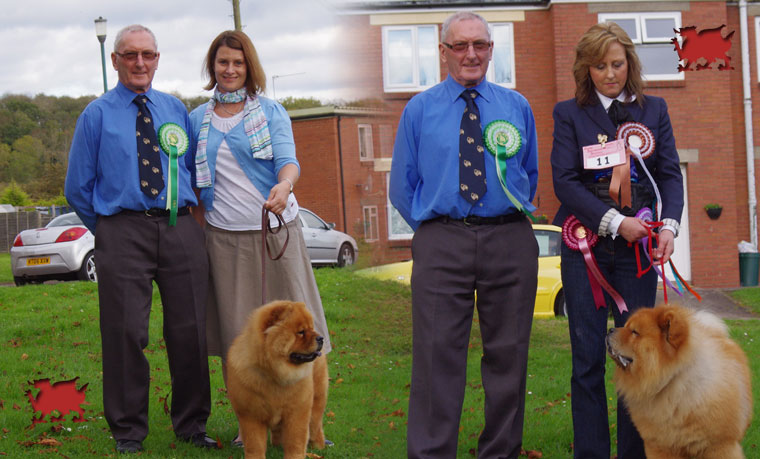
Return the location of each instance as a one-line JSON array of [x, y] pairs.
[[49, 46]]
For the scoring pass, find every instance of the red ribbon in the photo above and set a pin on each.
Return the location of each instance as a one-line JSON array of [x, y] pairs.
[[578, 237]]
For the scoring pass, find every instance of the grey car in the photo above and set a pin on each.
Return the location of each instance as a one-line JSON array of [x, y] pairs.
[[62, 250], [326, 246]]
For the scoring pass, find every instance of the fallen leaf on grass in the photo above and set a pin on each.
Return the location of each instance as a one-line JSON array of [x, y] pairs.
[[49, 442], [531, 454], [24, 356], [398, 413]]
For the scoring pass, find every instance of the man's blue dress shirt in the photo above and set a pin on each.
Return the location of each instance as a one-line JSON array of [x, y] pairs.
[[424, 182], [102, 178]]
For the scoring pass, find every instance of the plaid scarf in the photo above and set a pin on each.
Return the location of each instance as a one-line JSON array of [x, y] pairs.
[[256, 128]]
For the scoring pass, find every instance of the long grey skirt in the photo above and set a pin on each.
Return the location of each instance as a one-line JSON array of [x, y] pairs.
[[235, 281]]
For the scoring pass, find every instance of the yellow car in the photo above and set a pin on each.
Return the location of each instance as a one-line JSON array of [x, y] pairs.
[[550, 299]]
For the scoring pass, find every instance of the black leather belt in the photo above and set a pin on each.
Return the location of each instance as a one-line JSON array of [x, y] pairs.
[[476, 220], [156, 212]]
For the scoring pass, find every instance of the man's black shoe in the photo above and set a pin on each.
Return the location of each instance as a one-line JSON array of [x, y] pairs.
[[201, 440], [128, 446]]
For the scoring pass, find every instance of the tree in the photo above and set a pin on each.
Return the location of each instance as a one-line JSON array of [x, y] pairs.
[[293, 103], [26, 154], [15, 195]]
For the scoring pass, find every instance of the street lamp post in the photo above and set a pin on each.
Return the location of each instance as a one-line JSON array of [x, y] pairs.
[[100, 31]]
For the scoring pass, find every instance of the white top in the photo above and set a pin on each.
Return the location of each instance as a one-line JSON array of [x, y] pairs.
[[237, 203]]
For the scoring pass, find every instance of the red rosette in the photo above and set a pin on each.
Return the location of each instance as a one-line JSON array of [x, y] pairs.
[[573, 231], [631, 130], [578, 237]]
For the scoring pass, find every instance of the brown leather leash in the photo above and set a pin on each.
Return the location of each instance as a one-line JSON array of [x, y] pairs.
[[265, 250]]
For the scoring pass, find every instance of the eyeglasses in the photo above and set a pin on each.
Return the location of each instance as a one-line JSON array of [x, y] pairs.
[[461, 47], [131, 56]]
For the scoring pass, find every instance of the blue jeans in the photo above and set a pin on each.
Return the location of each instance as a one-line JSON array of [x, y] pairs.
[[588, 327]]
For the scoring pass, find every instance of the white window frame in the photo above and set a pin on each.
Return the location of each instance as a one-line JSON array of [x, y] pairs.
[[415, 86], [371, 223], [490, 74], [390, 212], [643, 39], [366, 151]]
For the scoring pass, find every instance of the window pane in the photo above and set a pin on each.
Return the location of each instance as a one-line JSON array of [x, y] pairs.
[[658, 59], [427, 47], [398, 226], [365, 142], [311, 220], [502, 54], [400, 57], [629, 25], [661, 28]]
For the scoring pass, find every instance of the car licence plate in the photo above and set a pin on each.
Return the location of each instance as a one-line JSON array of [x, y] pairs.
[[38, 261]]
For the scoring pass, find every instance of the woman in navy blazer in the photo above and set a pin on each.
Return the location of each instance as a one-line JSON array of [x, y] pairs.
[[606, 69]]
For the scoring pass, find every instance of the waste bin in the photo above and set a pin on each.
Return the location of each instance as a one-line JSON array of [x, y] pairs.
[[749, 266]]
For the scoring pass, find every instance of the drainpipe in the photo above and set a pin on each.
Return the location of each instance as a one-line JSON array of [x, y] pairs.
[[749, 136], [342, 182]]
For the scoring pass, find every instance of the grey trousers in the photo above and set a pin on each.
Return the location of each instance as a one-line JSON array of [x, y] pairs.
[[132, 250], [451, 261]]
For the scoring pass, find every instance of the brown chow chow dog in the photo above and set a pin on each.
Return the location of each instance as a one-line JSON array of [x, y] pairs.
[[277, 380], [685, 382]]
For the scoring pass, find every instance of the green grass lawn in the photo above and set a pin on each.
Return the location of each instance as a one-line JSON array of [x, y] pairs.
[[51, 331]]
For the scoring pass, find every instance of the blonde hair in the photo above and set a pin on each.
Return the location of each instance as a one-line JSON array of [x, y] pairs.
[[255, 79], [591, 49]]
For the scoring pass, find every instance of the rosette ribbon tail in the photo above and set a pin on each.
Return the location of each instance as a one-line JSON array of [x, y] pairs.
[[171, 199], [597, 279], [620, 183], [501, 169], [640, 159], [660, 272], [683, 281]]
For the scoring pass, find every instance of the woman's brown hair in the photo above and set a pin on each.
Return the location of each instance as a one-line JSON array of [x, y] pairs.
[[255, 80], [592, 48]]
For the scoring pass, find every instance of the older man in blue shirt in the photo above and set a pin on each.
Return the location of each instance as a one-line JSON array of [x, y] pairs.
[[119, 182], [470, 234]]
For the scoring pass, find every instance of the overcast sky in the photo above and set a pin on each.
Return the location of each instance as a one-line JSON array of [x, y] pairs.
[[50, 47]]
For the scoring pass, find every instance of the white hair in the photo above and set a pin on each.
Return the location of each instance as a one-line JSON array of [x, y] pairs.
[[130, 29], [462, 16]]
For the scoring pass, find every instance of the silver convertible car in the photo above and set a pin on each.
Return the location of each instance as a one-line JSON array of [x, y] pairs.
[[326, 246], [62, 250]]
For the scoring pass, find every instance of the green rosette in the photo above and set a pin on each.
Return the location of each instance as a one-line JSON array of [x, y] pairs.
[[503, 141], [174, 142]]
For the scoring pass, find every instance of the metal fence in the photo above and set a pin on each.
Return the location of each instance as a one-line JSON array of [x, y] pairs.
[[12, 223]]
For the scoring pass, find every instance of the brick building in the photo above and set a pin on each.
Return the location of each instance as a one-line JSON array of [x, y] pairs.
[[394, 44]]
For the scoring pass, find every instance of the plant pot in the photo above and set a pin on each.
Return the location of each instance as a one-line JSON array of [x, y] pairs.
[[714, 212]]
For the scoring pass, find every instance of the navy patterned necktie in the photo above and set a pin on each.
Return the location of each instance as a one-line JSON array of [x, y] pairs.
[[148, 151], [472, 171]]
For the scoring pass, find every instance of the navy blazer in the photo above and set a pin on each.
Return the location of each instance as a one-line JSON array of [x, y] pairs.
[[576, 126]]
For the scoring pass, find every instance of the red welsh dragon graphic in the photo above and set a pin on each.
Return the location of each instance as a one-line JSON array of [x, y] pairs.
[[702, 48]]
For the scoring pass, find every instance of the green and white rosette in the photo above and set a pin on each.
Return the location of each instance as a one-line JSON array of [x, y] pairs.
[[174, 142], [503, 140]]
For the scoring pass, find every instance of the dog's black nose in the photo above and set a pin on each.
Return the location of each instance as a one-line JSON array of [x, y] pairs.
[[320, 340]]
